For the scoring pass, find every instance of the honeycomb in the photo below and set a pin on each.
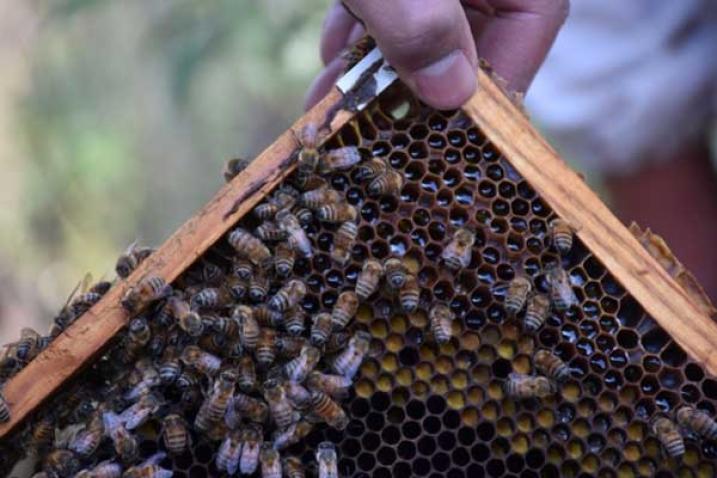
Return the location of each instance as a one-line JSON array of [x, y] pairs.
[[422, 409]]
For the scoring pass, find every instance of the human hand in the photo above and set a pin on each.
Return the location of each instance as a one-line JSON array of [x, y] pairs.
[[434, 44]]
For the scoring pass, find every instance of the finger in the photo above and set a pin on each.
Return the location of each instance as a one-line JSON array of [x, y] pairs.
[[518, 37], [428, 42], [323, 82], [357, 32], [338, 25]]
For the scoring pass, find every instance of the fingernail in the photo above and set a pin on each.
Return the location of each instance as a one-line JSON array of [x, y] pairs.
[[446, 83]]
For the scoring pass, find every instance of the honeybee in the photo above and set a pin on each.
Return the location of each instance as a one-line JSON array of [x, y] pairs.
[[170, 367], [175, 434], [327, 460], [249, 327], [265, 351], [147, 290], [131, 258], [252, 408], [284, 258], [697, 421], [344, 310], [270, 462], [370, 169], [339, 159], [259, 286], [213, 408], [338, 212], [205, 362], [308, 155], [211, 298], [347, 363], [518, 290], [551, 365], [288, 346], [441, 318], [233, 167], [352, 54], [189, 321], [252, 438], [409, 294], [279, 405], [368, 279], [668, 434], [269, 231], [61, 463], [294, 321], [29, 344], [292, 467], [299, 396], [138, 333], [536, 312], [291, 435], [459, 251], [242, 268], [304, 215], [387, 184], [188, 379], [43, 432], [561, 293], [9, 364], [344, 241], [283, 198], [229, 453], [138, 414], [527, 386], [562, 235], [321, 329], [395, 272], [228, 327], [289, 296], [296, 234], [156, 346], [104, 469], [267, 317], [320, 196], [124, 442], [336, 386], [78, 304], [248, 246], [296, 370], [246, 372], [4, 409], [149, 468]]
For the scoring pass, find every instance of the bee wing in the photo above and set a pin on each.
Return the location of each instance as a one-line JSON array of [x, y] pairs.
[[86, 282], [340, 158]]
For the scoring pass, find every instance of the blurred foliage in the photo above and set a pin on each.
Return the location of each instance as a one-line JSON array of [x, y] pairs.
[[127, 113]]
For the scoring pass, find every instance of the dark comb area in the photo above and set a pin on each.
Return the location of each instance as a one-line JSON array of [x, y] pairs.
[[422, 409]]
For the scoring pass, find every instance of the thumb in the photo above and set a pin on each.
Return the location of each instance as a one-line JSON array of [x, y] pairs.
[[428, 42]]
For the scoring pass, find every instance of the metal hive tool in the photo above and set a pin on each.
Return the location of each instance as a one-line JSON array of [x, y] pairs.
[[423, 409]]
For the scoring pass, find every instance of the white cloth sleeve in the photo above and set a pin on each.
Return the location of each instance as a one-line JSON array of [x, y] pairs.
[[628, 82]]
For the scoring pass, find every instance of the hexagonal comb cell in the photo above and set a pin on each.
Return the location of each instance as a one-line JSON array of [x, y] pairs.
[[455, 407]]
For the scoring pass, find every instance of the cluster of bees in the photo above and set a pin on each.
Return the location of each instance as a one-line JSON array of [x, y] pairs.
[[228, 354], [553, 371]]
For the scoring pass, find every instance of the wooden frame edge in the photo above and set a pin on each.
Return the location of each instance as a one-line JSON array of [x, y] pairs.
[[608, 239], [90, 333]]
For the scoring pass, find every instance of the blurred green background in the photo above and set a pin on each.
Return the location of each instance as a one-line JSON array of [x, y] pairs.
[[116, 118]]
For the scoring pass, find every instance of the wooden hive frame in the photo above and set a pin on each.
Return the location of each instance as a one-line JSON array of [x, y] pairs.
[[507, 128]]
